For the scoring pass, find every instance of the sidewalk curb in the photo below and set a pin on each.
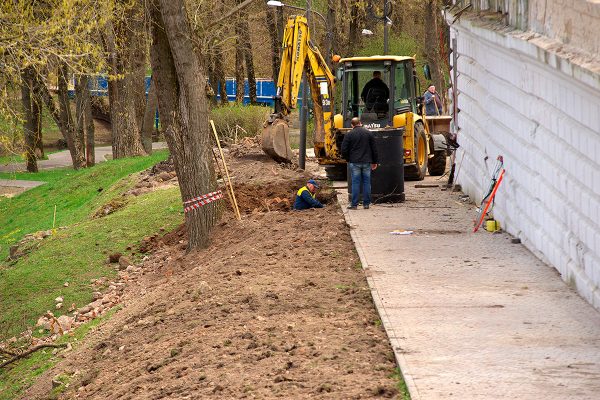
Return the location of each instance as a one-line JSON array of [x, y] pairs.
[[390, 332]]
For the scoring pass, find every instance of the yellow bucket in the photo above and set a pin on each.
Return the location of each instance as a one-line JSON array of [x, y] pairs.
[[492, 225]]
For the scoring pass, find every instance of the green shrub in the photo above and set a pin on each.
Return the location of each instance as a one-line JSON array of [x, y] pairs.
[[239, 120]]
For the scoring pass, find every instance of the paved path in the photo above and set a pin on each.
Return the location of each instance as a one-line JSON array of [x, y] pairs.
[[20, 184], [62, 159], [472, 316]]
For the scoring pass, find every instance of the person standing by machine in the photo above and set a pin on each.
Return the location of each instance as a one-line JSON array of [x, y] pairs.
[[433, 103], [358, 148]]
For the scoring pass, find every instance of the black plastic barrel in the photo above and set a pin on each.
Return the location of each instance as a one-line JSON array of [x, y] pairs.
[[387, 181]]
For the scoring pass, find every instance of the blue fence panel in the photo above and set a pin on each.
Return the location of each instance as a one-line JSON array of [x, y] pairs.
[[265, 91]]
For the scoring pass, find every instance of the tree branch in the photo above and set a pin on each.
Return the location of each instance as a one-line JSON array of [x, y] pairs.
[[234, 10], [28, 352]]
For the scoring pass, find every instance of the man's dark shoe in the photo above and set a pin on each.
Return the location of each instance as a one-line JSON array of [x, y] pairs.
[[366, 206], [352, 207]]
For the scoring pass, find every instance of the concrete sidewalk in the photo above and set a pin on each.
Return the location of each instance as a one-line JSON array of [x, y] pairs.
[[471, 315], [62, 159]]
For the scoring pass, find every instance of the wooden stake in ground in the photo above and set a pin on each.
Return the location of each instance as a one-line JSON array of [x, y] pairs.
[[233, 199]]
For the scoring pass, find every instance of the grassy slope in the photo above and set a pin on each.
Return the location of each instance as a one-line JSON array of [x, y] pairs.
[[22, 374], [75, 254], [75, 194], [78, 253]]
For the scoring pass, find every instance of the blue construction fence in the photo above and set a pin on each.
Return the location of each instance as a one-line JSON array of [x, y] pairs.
[[265, 89]]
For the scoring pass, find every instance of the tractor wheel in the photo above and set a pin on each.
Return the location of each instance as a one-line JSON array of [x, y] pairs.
[[437, 164], [336, 172], [417, 172]]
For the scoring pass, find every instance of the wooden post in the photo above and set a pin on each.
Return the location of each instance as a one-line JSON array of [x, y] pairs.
[[235, 205]]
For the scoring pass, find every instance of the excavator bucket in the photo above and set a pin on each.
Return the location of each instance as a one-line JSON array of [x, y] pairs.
[[275, 140]]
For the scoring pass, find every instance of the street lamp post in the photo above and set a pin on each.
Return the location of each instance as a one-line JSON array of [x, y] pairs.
[[304, 110]]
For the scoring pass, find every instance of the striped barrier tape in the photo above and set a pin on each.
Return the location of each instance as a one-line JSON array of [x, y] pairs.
[[200, 201], [203, 197]]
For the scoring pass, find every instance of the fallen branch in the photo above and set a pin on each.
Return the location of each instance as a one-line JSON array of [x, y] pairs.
[[10, 353], [28, 352]]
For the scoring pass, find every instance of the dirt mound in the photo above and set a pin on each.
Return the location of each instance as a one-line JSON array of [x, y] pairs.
[[154, 242], [274, 197], [110, 207], [276, 307]]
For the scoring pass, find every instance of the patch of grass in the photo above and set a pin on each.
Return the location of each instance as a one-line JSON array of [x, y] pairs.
[[249, 118], [400, 384], [17, 378], [77, 255], [79, 252], [342, 287], [75, 193]]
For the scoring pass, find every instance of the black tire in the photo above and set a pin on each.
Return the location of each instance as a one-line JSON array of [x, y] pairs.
[[417, 172], [437, 164], [336, 172]]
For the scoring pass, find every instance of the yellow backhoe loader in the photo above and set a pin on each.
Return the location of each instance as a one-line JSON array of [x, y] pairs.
[[400, 113]]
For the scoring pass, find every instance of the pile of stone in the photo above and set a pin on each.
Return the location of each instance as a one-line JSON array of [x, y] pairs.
[[102, 302]]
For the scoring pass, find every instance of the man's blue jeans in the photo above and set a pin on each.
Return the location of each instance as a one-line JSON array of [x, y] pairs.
[[361, 173]]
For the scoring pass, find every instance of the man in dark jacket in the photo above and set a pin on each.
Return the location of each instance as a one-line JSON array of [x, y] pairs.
[[305, 197], [358, 148], [375, 94]]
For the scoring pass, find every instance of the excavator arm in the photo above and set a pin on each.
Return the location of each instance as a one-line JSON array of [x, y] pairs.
[[299, 55]]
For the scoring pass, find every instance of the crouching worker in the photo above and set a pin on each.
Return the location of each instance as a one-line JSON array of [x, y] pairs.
[[305, 197]]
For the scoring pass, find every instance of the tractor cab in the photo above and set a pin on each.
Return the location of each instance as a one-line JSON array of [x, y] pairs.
[[377, 88], [382, 91]]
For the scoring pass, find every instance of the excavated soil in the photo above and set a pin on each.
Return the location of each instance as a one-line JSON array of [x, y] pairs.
[[276, 307]]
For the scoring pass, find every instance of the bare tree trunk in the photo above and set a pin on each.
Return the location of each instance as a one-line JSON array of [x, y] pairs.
[[90, 130], [250, 70], [249, 60], [332, 36], [149, 117], [431, 45], [84, 119], [212, 78], [354, 35], [137, 63], [184, 112], [275, 44], [67, 125], [36, 114], [280, 26], [239, 65], [81, 83], [122, 93], [62, 117], [30, 126], [219, 73]]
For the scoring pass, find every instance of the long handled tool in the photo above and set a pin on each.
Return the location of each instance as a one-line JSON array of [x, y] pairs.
[[489, 198], [230, 186]]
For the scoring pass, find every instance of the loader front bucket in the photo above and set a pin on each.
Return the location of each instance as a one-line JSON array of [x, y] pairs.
[[275, 140]]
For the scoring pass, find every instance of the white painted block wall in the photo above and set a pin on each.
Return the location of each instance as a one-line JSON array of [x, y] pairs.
[[542, 114]]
